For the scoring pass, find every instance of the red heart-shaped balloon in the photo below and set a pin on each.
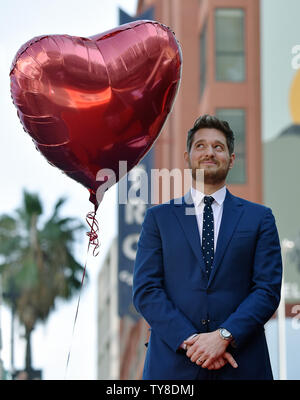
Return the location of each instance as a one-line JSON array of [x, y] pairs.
[[89, 103]]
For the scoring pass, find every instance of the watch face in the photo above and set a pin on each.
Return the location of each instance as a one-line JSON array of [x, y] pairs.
[[225, 333]]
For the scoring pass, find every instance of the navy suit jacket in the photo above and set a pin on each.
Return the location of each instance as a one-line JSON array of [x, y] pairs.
[[172, 292]]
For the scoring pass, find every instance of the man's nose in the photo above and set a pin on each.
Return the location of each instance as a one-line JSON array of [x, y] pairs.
[[209, 151]]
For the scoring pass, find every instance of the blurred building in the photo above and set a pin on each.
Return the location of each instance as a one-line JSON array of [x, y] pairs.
[[282, 194], [219, 41], [221, 47], [108, 324]]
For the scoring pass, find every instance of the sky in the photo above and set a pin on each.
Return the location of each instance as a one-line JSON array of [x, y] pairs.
[[24, 167]]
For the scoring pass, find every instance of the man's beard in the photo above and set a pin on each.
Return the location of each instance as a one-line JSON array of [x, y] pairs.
[[211, 176]]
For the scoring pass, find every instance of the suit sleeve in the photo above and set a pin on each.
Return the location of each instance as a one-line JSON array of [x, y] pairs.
[[263, 299], [149, 296]]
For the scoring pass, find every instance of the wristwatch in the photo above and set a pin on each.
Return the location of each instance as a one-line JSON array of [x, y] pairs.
[[225, 334]]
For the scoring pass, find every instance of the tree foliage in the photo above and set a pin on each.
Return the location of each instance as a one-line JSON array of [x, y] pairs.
[[37, 261]]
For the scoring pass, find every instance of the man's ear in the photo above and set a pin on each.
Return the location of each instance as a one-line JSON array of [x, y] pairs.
[[186, 158], [232, 159]]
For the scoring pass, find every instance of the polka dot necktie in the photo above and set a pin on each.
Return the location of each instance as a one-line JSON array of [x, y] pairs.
[[208, 234]]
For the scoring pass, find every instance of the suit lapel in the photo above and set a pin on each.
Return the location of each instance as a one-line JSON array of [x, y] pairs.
[[232, 212], [185, 212]]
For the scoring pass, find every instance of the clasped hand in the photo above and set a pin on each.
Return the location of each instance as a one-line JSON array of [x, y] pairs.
[[209, 351]]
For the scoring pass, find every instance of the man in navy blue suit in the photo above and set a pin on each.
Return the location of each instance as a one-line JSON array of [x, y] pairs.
[[208, 272]]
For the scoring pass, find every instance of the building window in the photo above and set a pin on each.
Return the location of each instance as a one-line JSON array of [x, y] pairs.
[[230, 44], [237, 121], [202, 60]]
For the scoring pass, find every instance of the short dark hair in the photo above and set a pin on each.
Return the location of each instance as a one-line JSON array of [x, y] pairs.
[[209, 121]]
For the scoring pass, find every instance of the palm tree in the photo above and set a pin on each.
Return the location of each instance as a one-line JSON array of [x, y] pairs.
[[36, 263]]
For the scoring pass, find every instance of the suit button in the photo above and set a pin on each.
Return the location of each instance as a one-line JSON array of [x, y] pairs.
[[204, 322]]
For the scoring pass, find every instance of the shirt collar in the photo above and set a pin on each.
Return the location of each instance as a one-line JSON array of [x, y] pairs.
[[198, 196]]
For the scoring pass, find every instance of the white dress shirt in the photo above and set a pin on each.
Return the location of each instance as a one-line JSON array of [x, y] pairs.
[[217, 208]]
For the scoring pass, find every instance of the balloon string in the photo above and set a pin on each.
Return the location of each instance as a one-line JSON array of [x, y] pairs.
[[93, 240], [93, 234]]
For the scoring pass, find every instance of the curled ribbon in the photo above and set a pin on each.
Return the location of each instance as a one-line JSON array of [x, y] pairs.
[[93, 234]]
